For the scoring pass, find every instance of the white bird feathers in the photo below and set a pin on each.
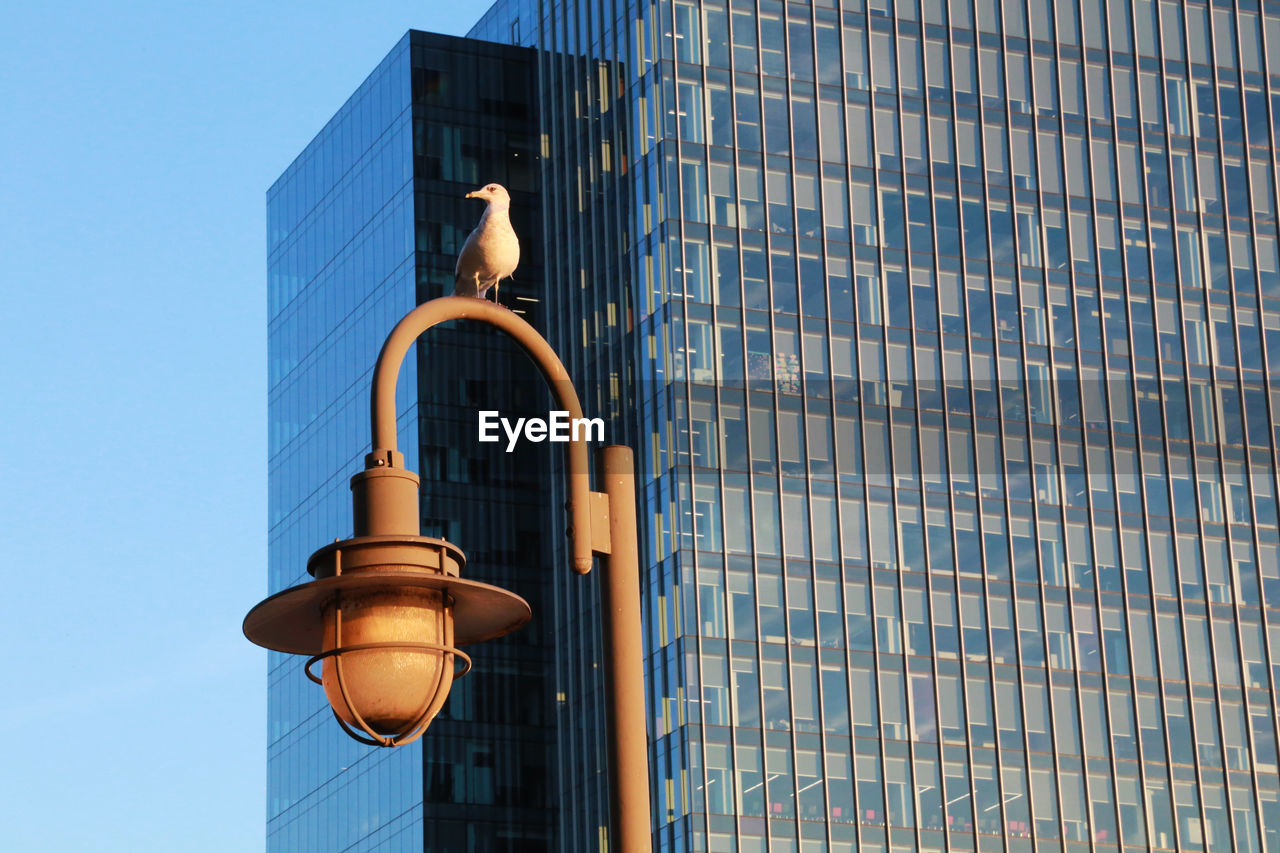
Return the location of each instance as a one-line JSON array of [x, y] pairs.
[[492, 251]]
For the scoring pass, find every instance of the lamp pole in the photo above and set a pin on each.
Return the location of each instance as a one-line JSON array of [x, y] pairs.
[[624, 671], [309, 618]]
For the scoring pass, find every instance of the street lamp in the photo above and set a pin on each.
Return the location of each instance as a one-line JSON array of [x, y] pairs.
[[388, 607]]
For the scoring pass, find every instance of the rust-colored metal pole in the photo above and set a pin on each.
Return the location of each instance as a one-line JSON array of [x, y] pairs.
[[624, 646]]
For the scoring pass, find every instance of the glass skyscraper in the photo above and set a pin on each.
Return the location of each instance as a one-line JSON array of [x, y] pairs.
[[948, 336]]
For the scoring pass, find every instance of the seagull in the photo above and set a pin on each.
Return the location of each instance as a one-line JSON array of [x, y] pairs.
[[492, 251]]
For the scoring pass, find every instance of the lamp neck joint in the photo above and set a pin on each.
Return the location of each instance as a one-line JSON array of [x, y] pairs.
[[384, 459]]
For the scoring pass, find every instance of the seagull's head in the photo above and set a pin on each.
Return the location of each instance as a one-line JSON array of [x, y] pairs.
[[495, 194]]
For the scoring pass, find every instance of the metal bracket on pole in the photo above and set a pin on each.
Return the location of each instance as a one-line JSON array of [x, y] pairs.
[[601, 539]]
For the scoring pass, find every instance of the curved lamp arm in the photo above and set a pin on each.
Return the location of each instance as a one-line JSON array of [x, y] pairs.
[[437, 311]]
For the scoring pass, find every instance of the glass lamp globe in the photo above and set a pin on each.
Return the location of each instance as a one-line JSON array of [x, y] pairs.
[[390, 668]]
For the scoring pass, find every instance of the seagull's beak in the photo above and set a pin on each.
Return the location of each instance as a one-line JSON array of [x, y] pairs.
[[470, 195]]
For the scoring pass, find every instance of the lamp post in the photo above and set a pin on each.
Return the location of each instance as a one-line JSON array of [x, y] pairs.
[[388, 607]]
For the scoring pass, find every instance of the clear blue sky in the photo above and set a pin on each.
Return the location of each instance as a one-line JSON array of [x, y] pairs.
[[137, 141]]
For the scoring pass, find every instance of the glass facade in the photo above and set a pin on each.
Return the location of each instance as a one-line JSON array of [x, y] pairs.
[[949, 331], [948, 336]]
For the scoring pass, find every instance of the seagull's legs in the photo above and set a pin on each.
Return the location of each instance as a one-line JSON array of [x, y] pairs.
[[495, 291], [475, 285]]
